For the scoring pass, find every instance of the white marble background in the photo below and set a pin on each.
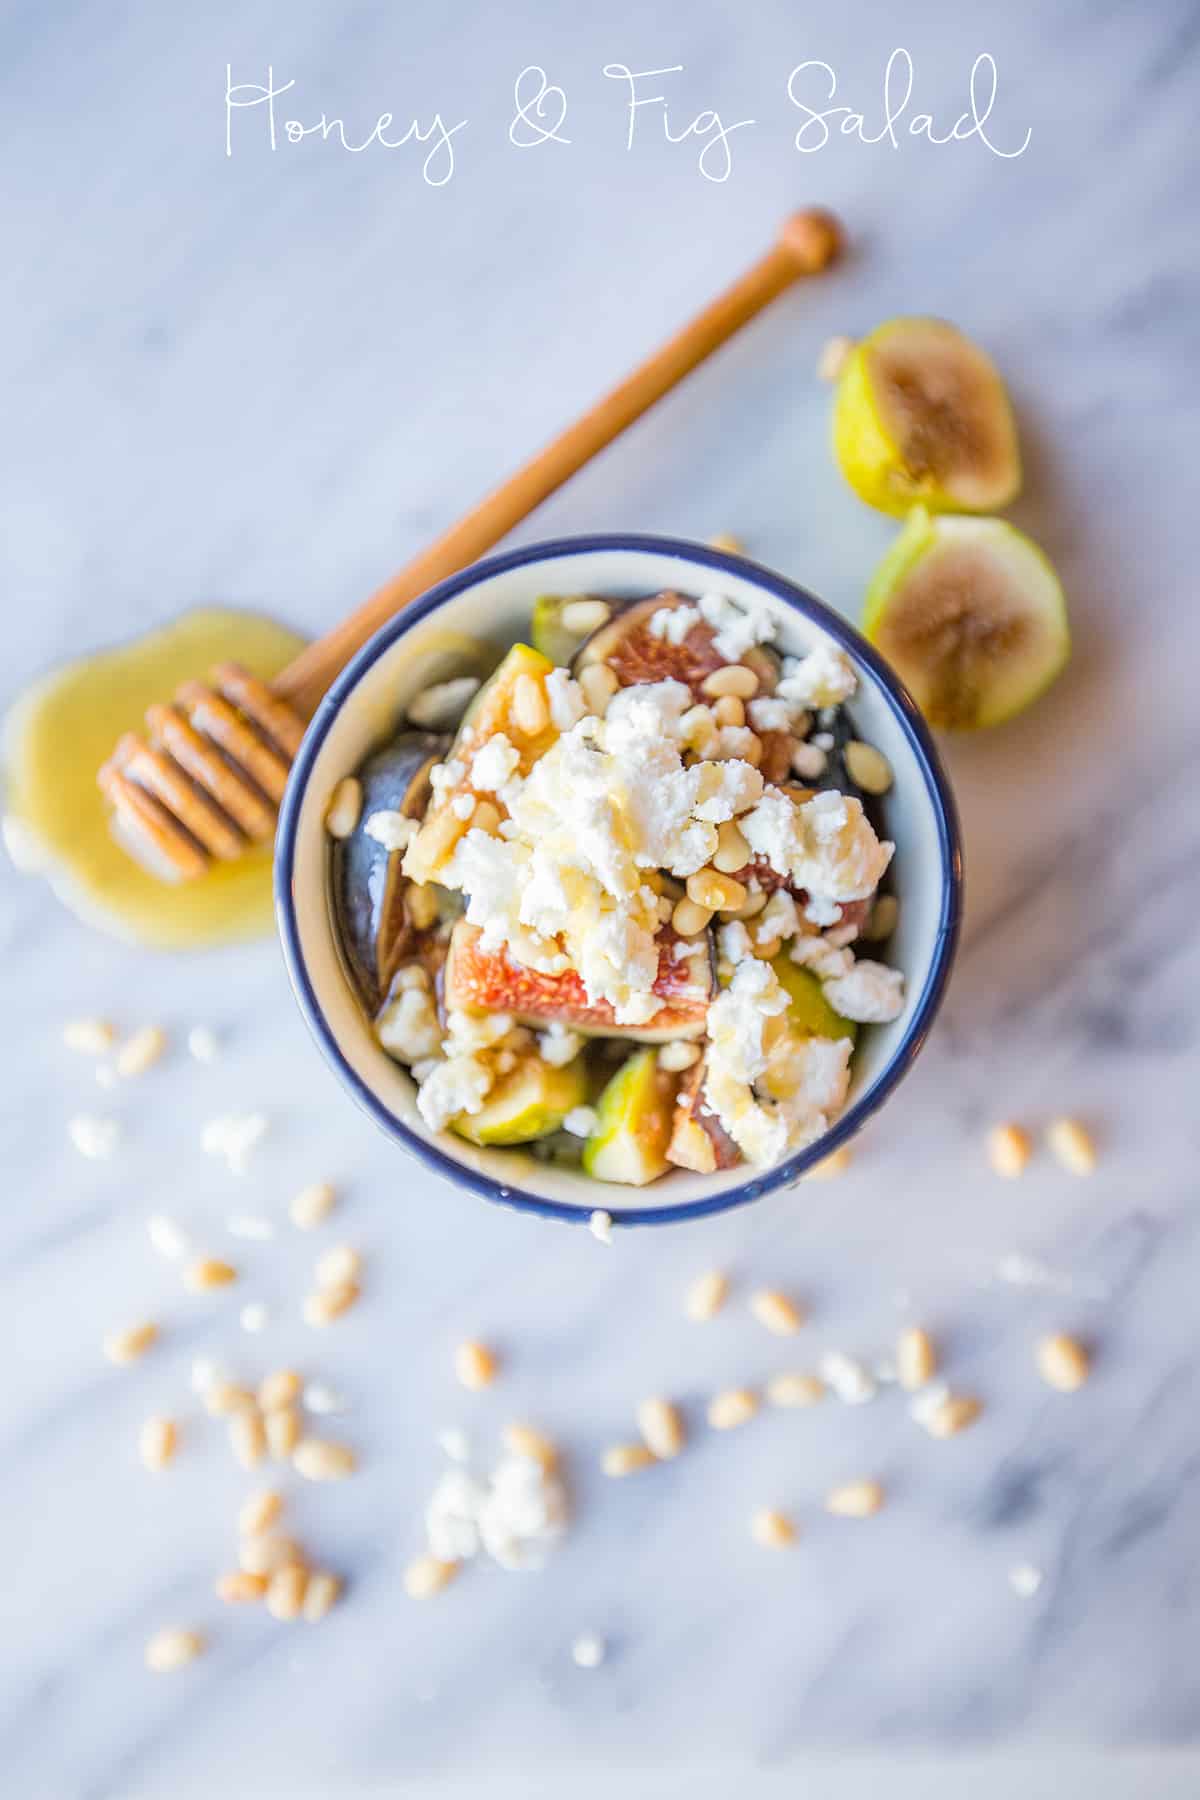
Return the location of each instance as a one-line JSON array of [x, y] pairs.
[[268, 381]]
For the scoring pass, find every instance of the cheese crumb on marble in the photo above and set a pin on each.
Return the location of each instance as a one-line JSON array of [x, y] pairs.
[[516, 1516], [94, 1137]]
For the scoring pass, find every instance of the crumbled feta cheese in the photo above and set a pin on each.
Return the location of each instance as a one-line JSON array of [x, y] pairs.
[[168, 1238], [318, 1398], [734, 742], [588, 1651], [254, 1316], [203, 1045], [826, 845], [394, 830], [516, 1516], [825, 677], [822, 911], [452, 1516], [234, 1136], [93, 1137], [868, 993], [250, 1225], [823, 740], [819, 955], [738, 628], [462, 805], [558, 1046], [566, 700], [408, 1027], [733, 942], [779, 918], [1025, 1580], [600, 1225], [445, 775], [672, 623], [769, 713], [848, 1378], [808, 761], [580, 1121]]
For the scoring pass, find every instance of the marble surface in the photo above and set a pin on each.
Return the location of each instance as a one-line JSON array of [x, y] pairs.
[[268, 380]]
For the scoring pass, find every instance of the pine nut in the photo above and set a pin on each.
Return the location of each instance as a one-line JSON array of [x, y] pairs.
[[126, 1346], [485, 818], [854, 1500], [831, 1166], [952, 1415], [422, 904], [776, 1312], [718, 893], [319, 1459], [283, 1432], [337, 1266], [706, 1296], [345, 808], [599, 684], [320, 1595], [731, 1407], [773, 1530], [285, 1592], [1063, 1362], [323, 1307], [625, 1459], [796, 1390], [157, 1442], [435, 843], [726, 541], [312, 1205], [867, 767], [529, 1442], [734, 679], [237, 1587], [529, 710], [752, 750], [1073, 1145], [427, 1575], [689, 920], [733, 852], [281, 1388], [916, 1359], [883, 919], [833, 356], [172, 1648], [259, 1511], [582, 617], [247, 1439], [678, 1056], [88, 1037], [264, 1554], [1008, 1150], [474, 1365], [662, 1427], [141, 1051], [221, 1398], [769, 949], [729, 710], [208, 1272], [754, 904]]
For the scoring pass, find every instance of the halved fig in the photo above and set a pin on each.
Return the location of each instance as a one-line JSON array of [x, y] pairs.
[[475, 980], [635, 654], [809, 1012], [369, 902], [628, 1142], [699, 1141], [921, 416], [528, 1103]]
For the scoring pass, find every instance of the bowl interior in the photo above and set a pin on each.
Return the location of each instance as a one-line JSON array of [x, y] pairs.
[[471, 621]]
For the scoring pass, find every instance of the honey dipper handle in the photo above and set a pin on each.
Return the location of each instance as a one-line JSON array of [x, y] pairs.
[[807, 243]]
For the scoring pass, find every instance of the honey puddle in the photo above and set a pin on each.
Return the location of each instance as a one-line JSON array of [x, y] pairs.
[[55, 821]]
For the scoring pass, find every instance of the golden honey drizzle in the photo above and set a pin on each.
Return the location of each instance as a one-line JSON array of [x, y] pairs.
[[65, 725]]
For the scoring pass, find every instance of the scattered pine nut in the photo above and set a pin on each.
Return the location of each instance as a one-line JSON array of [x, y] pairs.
[[320, 1595], [141, 1051], [319, 1459], [831, 1166], [772, 1529], [259, 1511], [625, 1459], [1008, 1150], [285, 1592], [312, 1205], [427, 1575], [833, 355], [126, 1346], [474, 1365], [267, 1552], [157, 1442], [855, 1499], [916, 1358], [172, 1649], [706, 1296], [796, 1390], [238, 1587], [529, 1442], [776, 1312], [88, 1037], [247, 1439], [662, 1427], [344, 808], [1073, 1145], [329, 1303], [208, 1272], [868, 768], [952, 1414], [726, 541], [283, 1432], [732, 1407], [337, 1266], [281, 1388], [1063, 1362], [222, 1397]]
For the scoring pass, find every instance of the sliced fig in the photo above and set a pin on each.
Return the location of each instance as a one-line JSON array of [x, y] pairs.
[[809, 1012], [628, 1142], [475, 980], [369, 892], [699, 1141], [635, 654], [528, 1103], [921, 416], [971, 615]]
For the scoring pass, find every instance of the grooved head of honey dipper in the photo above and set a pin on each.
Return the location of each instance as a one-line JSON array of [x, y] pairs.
[[813, 238]]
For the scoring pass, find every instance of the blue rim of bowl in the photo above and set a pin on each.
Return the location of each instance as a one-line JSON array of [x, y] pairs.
[[904, 709]]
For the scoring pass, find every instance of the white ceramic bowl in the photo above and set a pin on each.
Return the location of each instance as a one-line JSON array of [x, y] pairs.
[[492, 601]]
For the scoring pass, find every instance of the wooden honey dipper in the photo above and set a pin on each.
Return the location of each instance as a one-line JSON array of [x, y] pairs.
[[208, 781]]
